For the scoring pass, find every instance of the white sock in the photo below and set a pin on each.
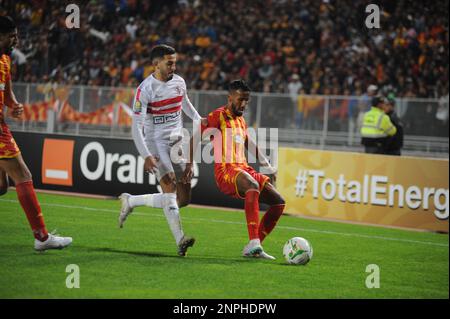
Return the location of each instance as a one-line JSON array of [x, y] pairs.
[[172, 213], [150, 200]]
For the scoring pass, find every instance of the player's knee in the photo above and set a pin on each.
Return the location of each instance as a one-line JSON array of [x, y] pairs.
[[21, 175], [169, 199], [280, 200]]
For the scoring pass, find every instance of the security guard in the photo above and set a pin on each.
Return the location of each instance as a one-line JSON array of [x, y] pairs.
[[377, 127]]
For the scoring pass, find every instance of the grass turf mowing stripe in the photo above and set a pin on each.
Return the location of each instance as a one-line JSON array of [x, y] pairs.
[[240, 223]]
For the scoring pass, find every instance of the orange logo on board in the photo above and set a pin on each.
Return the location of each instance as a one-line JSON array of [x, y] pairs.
[[57, 159]]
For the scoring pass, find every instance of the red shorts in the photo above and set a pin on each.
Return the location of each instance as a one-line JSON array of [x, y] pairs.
[[226, 177], [8, 147]]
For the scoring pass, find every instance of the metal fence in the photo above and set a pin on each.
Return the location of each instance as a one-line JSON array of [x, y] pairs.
[[321, 122]]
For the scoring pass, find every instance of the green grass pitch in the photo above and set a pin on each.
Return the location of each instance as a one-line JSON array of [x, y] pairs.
[[140, 261]]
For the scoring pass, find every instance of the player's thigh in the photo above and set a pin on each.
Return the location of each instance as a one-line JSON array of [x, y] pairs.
[[245, 182], [16, 169], [184, 194], [271, 196]]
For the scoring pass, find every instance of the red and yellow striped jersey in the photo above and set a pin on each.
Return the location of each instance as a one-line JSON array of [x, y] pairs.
[[5, 68], [229, 145]]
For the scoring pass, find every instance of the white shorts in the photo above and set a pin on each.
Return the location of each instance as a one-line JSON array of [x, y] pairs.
[[170, 158]]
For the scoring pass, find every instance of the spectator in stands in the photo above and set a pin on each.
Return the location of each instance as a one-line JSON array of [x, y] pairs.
[[372, 91], [281, 38], [294, 88]]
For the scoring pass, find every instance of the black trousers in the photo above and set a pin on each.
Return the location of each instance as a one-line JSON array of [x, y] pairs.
[[374, 150]]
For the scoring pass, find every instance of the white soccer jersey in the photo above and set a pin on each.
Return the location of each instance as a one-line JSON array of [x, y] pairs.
[[157, 110]]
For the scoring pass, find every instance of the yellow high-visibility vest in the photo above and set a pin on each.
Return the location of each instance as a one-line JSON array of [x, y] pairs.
[[377, 124]]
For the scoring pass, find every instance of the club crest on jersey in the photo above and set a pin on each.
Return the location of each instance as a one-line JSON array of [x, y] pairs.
[[178, 89], [137, 106]]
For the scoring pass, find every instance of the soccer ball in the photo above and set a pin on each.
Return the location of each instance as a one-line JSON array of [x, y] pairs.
[[297, 251]]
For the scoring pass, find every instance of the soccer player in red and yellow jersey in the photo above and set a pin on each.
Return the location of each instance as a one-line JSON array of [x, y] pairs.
[[11, 161], [234, 176]]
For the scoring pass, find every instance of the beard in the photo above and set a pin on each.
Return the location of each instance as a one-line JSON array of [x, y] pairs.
[[236, 111]]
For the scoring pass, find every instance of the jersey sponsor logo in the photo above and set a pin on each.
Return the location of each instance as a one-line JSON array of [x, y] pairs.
[[169, 118], [172, 117], [158, 120], [137, 106], [57, 159]]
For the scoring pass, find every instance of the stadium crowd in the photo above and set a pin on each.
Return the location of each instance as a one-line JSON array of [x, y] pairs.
[[288, 46]]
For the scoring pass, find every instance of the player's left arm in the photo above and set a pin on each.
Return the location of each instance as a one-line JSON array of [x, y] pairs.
[[190, 110], [11, 101]]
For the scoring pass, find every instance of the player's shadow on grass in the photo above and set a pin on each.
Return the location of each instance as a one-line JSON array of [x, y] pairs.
[[135, 253], [211, 260]]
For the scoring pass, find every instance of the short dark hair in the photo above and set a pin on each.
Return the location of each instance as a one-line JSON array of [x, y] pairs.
[[160, 51], [7, 24], [238, 85], [378, 99]]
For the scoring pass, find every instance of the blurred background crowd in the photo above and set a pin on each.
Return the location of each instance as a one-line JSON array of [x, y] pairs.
[[283, 46]]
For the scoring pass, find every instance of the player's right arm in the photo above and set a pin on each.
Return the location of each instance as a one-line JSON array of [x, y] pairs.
[[141, 100]]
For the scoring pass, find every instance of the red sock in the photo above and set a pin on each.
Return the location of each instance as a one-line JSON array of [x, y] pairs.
[[28, 201], [269, 220], [252, 213]]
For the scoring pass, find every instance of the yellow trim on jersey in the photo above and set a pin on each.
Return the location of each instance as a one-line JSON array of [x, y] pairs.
[[3, 70], [10, 156], [236, 186], [223, 128], [244, 134], [233, 142]]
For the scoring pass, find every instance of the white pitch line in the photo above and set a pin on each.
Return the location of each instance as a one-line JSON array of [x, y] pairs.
[[240, 223]]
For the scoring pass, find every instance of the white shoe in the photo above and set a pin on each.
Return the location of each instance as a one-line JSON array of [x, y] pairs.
[[265, 255], [52, 242], [125, 209], [252, 249]]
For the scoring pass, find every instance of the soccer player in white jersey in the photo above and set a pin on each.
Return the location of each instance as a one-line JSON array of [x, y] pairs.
[[156, 129]]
